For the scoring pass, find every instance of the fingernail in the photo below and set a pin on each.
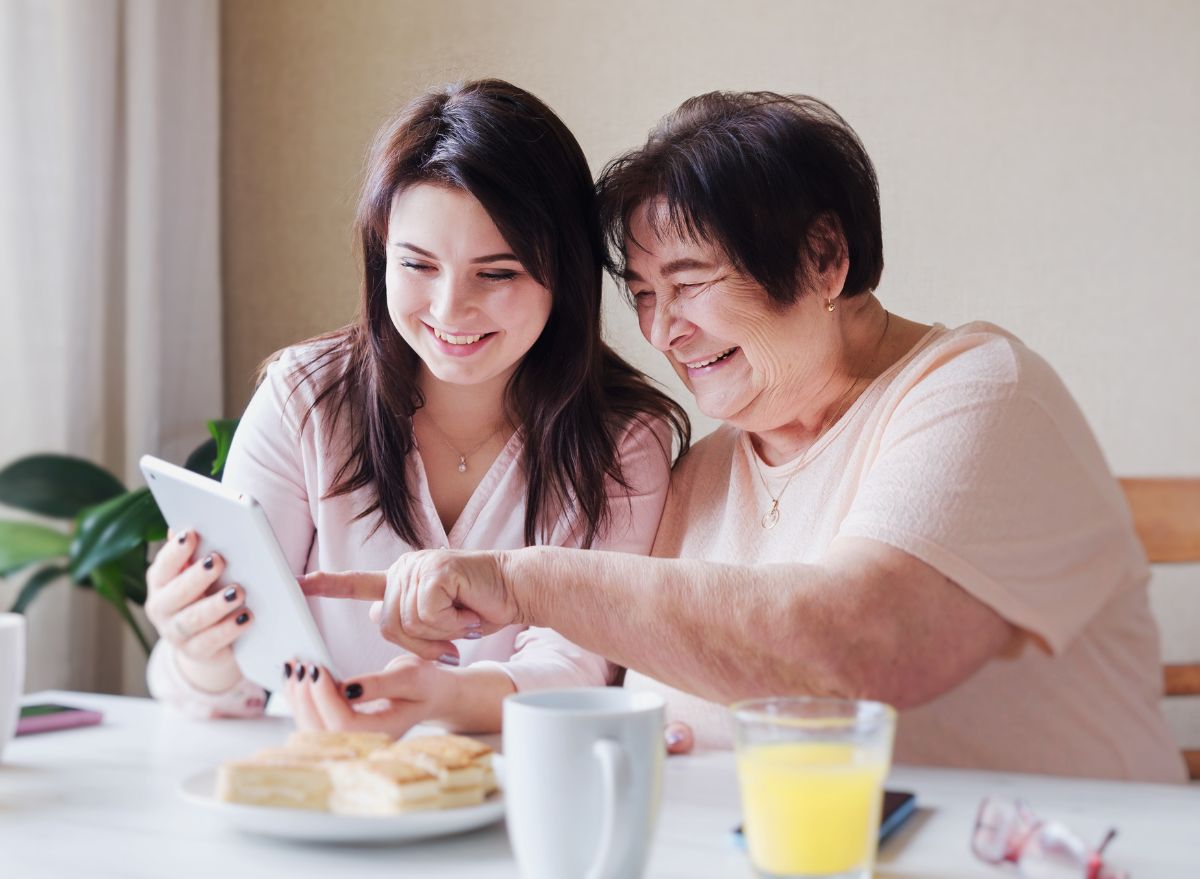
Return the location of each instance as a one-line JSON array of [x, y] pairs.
[[316, 673], [208, 563], [182, 538], [478, 624], [473, 635], [674, 737], [299, 672], [287, 669], [230, 593], [242, 618], [448, 659], [353, 691]]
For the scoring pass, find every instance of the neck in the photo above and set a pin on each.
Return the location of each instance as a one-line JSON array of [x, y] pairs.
[[859, 349], [464, 412]]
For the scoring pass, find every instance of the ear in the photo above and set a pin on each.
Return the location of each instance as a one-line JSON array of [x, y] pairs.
[[828, 257]]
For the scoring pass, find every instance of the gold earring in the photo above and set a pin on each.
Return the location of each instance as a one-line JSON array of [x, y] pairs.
[[829, 305]]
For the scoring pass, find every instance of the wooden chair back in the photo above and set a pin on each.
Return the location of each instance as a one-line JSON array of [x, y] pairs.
[[1166, 515]]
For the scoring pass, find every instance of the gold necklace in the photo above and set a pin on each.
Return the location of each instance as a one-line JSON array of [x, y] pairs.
[[771, 517], [462, 456]]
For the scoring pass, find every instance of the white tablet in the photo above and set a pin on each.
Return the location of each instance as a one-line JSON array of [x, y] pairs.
[[232, 523]]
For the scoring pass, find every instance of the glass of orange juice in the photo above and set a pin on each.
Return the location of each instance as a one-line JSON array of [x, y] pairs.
[[811, 772]]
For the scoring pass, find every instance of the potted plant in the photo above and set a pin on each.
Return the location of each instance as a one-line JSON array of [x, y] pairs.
[[106, 547]]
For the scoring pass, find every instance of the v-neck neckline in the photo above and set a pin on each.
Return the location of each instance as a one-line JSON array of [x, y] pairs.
[[454, 537]]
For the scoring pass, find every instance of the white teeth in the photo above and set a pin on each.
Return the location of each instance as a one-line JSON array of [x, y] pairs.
[[457, 340], [720, 356]]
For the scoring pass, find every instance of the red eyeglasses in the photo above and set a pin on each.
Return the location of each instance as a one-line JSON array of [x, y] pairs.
[[1008, 832]]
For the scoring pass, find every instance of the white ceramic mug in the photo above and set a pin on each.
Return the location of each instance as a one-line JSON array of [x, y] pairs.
[[12, 673], [582, 780]]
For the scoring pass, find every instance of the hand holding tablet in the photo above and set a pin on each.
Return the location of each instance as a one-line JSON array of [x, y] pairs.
[[234, 531]]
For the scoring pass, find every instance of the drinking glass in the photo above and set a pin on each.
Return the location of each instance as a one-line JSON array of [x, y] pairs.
[[811, 772]]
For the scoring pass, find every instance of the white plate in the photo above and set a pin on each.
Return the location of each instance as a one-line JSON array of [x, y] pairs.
[[312, 826]]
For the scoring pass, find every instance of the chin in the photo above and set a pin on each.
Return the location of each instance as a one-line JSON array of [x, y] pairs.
[[459, 376], [722, 410]]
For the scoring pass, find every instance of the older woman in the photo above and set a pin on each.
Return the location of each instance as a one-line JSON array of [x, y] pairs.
[[891, 510]]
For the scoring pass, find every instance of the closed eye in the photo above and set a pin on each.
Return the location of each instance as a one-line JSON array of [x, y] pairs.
[[416, 266], [696, 286], [498, 275], [643, 298]]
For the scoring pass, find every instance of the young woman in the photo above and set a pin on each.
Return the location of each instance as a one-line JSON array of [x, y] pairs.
[[472, 405]]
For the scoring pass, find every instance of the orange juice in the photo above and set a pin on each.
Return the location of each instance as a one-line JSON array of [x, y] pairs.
[[811, 808]]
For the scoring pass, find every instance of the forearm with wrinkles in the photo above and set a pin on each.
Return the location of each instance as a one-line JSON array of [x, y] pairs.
[[720, 631], [869, 622]]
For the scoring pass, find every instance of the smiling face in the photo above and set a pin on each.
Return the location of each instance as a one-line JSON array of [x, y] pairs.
[[455, 291], [746, 361]]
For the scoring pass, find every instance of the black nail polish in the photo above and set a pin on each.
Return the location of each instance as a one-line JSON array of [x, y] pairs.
[[182, 538], [230, 593], [299, 672], [316, 672], [353, 691], [241, 619], [208, 563], [287, 669]]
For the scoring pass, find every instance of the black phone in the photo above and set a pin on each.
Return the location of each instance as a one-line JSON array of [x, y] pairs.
[[898, 807]]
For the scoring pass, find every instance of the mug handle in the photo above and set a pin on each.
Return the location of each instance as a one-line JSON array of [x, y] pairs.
[[611, 757]]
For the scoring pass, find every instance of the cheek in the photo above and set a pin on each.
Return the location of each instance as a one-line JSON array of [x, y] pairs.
[[402, 294], [645, 318], [523, 310]]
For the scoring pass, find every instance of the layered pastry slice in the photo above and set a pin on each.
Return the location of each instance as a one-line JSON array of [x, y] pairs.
[[381, 787], [481, 754], [459, 776], [294, 784], [360, 743], [286, 754]]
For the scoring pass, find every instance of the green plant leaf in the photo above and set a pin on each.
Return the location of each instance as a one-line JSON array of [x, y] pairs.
[[107, 580], [203, 459], [106, 532], [56, 485], [133, 566], [23, 543], [222, 430], [34, 585]]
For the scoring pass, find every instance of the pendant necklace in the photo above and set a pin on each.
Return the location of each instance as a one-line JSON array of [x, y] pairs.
[[462, 456]]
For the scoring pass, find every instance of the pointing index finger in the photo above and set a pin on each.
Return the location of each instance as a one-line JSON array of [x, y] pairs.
[[363, 585]]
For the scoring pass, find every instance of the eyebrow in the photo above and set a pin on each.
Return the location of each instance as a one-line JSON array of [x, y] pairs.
[[685, 264], [491, 257]]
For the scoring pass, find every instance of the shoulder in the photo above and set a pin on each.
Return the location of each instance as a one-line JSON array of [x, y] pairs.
[[983, 360], [645, 434], [289, 394], [707, 458], [306, 368]]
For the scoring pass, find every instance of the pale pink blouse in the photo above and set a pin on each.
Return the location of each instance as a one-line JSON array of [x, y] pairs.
[[970, 455], [289, 472]]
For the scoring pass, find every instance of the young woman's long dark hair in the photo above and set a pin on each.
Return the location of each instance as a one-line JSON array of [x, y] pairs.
[[571, 395]]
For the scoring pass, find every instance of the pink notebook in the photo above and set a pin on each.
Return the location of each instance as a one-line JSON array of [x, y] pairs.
[[45, 718]]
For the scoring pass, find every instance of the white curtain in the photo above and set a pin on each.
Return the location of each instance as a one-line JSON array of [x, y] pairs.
[[110, 319]]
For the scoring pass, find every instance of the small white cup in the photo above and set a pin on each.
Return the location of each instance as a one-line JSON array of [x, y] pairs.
[[582, 780], [12, 673]]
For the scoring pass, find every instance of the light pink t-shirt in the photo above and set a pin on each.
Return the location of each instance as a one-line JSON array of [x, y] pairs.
[[970, 455], [289, 472]]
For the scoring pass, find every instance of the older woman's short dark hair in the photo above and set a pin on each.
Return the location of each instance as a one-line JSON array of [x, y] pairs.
[[768, 178]]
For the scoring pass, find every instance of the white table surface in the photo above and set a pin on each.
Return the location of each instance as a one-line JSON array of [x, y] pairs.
[[102, 802]]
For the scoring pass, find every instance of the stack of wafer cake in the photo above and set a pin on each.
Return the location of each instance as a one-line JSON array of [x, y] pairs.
[[362, 774]]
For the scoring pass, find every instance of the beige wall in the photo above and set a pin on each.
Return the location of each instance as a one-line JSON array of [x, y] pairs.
[[1037, 162]]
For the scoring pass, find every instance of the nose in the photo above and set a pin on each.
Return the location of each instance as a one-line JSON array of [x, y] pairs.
[[666, 326], [452, 301]]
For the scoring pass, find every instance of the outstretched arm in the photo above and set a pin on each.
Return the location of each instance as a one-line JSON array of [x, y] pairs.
[[869, 622]]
